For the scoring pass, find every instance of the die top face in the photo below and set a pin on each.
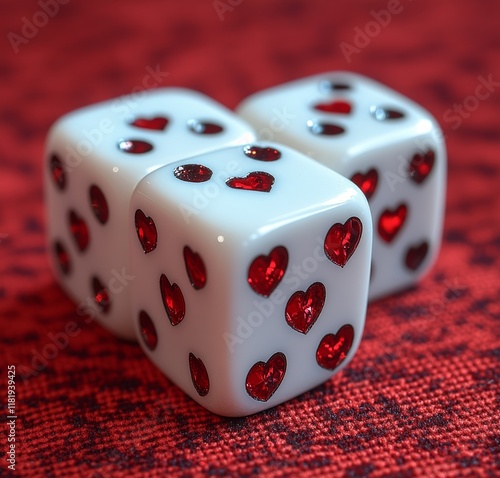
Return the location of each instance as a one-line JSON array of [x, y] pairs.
[[135, 136], [241, 196], [335, 116], [246, 287]]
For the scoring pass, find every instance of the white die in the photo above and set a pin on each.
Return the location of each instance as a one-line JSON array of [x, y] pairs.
[[96, 156], [387, 144], [249, 297]]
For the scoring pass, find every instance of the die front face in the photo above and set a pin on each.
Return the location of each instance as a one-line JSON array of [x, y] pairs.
[[252, 269], [388, 145], [94, 158]]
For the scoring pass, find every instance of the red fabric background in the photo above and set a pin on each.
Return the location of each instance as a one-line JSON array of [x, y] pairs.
[[421, 397]]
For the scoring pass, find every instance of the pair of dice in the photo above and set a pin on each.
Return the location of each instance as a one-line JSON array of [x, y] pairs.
[[244, 267]]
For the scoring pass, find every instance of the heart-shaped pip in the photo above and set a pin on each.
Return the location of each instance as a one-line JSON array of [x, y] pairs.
[[193, 173], [204, 127], [199, 375], [195, 268], [79, 230], [421, 166], [262, 154], [303, 308], [266, 272], [173, 300], [146, 231], [57, 172], [158, 123], [416, 255], [342, 240], [101, 295], [391, 222], [382, 113], [99, 204], [134, 146], [264, 378], [255, 181], [366, 182], [62, 257], [333, 348], [147, 330], [323, 128], [334, 106]]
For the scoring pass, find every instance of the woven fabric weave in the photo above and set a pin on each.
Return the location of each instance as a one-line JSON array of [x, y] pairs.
[[420, 398]]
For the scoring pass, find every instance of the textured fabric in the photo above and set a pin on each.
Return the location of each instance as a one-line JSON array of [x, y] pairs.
[[420, 398]]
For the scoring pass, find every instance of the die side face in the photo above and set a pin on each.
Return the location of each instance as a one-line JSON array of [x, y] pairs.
[[388, 145], [94, 159], [407, 213], [256, 288]]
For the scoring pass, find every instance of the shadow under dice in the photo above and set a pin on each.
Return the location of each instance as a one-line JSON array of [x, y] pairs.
[[95, 158], [252, 267], [390, 147]]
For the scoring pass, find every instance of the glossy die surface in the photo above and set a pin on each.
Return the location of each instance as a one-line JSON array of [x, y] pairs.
[[252, 268], [95, 156], [387, 144]]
